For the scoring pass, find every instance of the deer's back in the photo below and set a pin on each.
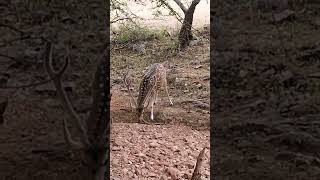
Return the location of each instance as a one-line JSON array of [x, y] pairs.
[[152, 80]]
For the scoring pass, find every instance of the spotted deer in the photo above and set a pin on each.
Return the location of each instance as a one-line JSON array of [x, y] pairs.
[[153, 80], [94, 134]]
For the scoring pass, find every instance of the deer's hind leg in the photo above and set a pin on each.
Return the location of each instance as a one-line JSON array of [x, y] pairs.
[[131, 107], [167, 92], [153, 100], [156, 98]]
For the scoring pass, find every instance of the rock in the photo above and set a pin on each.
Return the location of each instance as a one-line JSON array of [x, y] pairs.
[[186, 175], [175, 148], [173, 172], [151, 174], [183, 153], [164, 164], [135, 177], [158, 135], [125, 171], [163, 177], [284, 15], [144, 172], [116, 142], [52, 102], [139, 48], [116, 148], [199, 86], [141, 155], [115, 161], [130, 174], [115, 178], [137, 171], [154, 144], [190, 166], [207, 173]]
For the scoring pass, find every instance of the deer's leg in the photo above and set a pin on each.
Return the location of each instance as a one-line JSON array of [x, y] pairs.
[[130, 103], [155, 101], [151, 116], [166, 86], [142, 120], [152, 105]]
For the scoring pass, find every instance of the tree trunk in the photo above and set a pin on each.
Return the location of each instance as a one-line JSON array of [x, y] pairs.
[[185, 35]]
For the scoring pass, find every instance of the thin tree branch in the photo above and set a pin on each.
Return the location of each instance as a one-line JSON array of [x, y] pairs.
[[35, 84], [193, 4], [15, 59], [183, 8], [12, 28], [4, 44], [29, 85], [9, 57], [120, 19], [196, 173], [65, 99]]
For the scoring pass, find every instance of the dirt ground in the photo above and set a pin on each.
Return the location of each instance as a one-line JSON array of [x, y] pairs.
[[266, 92], [140, 151]]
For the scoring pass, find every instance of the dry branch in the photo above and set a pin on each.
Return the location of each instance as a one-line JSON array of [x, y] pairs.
[[183, 8], [64, 98], [32, 84], [196, 173], [93, 137], [3, 106], [127, 82], [12, 28]]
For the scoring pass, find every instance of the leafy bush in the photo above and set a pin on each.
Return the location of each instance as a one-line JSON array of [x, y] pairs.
[[129, 32]]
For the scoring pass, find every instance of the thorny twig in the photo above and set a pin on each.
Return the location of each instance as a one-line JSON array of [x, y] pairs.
[[9, 57], [12, 28], [16, 59], [4, 44], [35, 84], [24, 37], [28, 85], [120, 19], [32, 84]]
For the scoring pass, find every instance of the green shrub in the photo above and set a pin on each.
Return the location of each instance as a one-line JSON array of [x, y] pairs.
[[129, 32]]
